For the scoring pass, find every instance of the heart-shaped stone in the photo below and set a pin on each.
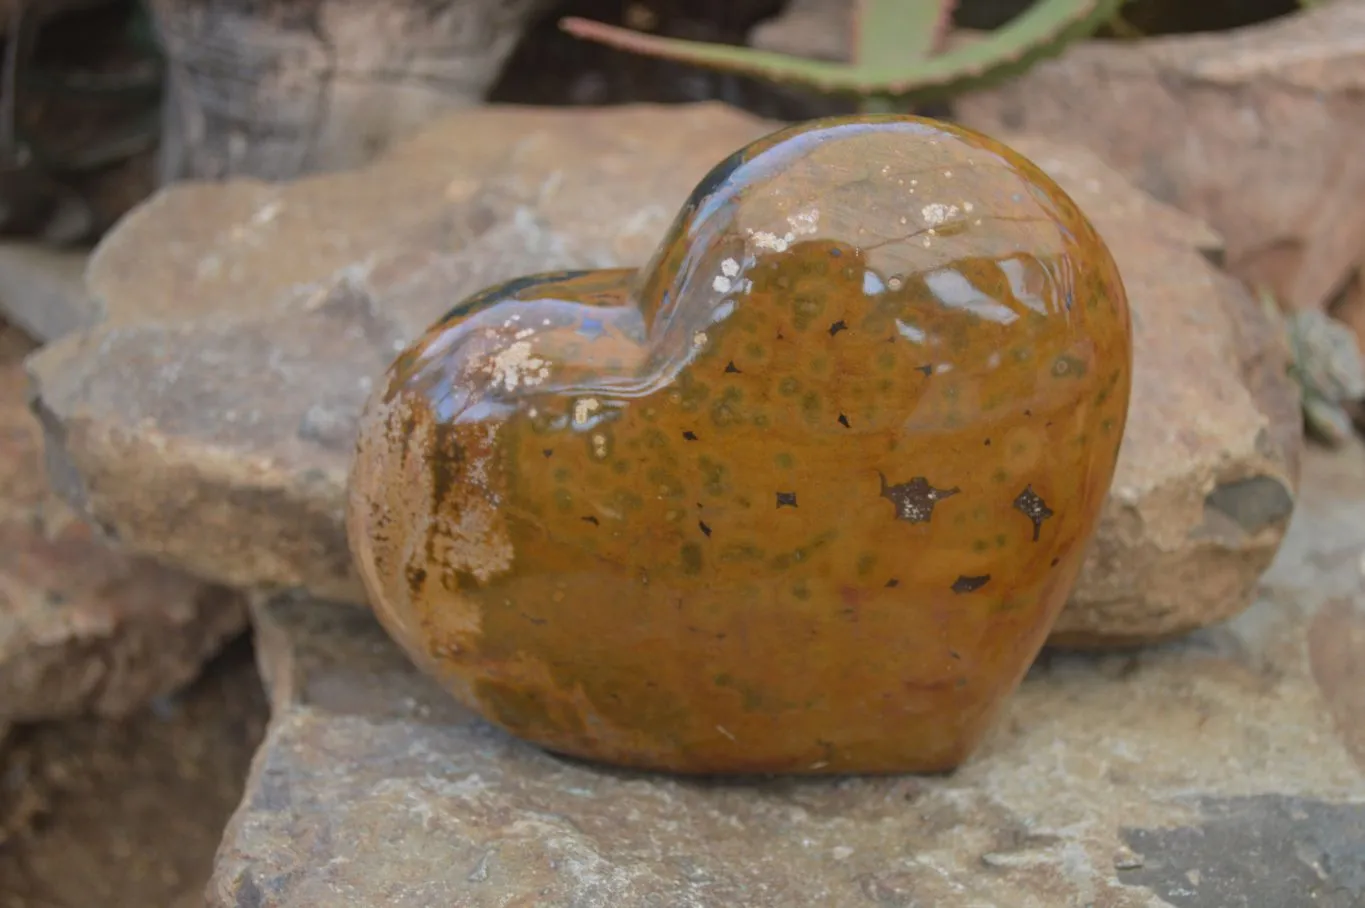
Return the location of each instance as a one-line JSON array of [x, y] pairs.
[[805, 494]]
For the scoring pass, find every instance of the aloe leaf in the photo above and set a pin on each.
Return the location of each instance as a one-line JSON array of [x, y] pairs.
[[1044, 30], [889, 33], [774, 67]]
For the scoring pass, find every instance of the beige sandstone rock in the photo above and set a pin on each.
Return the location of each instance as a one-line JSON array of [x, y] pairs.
[[1255, 131], [1224, 769], [84, 628], [209, 420]]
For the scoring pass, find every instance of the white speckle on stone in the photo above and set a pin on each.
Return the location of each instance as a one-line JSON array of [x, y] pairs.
[[967, 207], [584, 409], [804, 223], [910, 332], [948, 174], [515, 365], [841, 852], [699, 339], [599, 446], [729, 267], [895, 282], [721, 284], [938, 213], [525, 333], [267, 213], [771, 241], [725, 731]]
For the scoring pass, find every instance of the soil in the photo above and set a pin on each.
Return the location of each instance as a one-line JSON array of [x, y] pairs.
[[129, 812]]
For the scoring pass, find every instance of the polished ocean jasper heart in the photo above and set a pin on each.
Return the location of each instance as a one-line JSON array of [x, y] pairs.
[[805, 494]]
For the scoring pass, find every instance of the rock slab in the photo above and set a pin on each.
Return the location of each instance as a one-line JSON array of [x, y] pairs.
[[208, 420], [1254, 130], [1222, 769], [83, 628]]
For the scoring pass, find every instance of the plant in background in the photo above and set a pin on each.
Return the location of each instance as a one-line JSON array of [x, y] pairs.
[[899, 57]]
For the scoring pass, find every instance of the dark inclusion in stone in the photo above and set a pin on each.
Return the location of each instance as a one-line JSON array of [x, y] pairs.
[[690, 435], [1032, 506], [837, 327], [731, 367], [701, 524], [786, 499], [589, 519], [914, 500], [965, 584], [843, 421]]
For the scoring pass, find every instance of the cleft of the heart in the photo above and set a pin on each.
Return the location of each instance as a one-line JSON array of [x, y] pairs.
[[803, 494]]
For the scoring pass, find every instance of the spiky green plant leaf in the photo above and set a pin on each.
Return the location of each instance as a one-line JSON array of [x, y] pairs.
[[886, 62]]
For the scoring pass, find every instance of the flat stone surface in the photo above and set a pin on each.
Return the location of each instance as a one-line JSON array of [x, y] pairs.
[[1255, 131], [209, 419], [1224, 769], [84, 628]]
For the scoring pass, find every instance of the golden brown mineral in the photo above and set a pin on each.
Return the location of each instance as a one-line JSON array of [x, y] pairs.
[[804, 494]]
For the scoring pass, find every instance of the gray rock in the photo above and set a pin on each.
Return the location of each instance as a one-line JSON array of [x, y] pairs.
[[1225, 769], [42, 290], [85, 628], [208, 420]]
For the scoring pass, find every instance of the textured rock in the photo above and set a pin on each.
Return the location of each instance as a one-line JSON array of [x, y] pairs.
[[84, 628], [1255, 131], [209, 420], [1217, 770]]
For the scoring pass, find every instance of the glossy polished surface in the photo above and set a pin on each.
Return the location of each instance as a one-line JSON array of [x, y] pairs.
[[804, 494]]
